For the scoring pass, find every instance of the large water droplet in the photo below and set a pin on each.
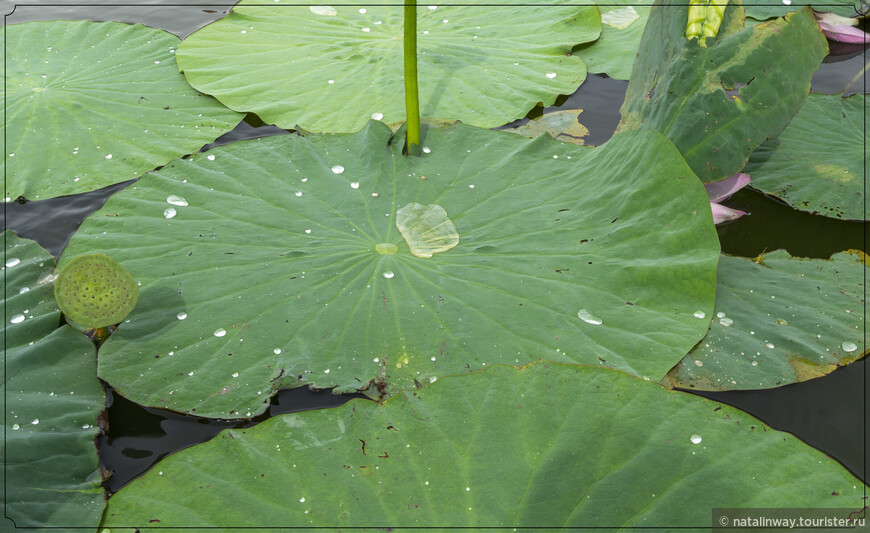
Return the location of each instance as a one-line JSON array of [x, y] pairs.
[[338, 169], [849, 346], [699, 314], [176, 200], [727, 322], [388, 274], [426, 229], [17, 319], [377, 116], [354, 185], [181, 316], [551, 75], [696, 439], [220, 332], [169, 213], [588, 317], [12, 262], [323, 10]]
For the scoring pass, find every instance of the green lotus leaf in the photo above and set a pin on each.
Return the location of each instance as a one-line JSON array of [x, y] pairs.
[[333, 68], [549, 445], [621, 30], [764, 9], [51, 401], [779, 320], [274, 267], [95, 291], [817, 163], [719, 102], [562, 125], [91, 104]]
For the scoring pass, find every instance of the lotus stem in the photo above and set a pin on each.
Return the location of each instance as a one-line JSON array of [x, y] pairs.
[[412, 102]]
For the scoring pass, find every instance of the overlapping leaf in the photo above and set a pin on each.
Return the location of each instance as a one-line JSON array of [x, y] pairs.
[[91, 104], [543, 446], [51, 399], [779, 320], [331, 68], [613, 53], [817, 163], [277, 262], [718, 102]]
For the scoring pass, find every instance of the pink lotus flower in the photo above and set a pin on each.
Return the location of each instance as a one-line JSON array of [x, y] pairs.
[[721, 190], [841, 29]]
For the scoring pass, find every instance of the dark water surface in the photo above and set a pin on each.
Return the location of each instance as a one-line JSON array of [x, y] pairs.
[[828, 413]]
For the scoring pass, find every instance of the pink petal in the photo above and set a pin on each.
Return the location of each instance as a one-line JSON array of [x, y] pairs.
[[722, 214], [842, 33], [723, 189]]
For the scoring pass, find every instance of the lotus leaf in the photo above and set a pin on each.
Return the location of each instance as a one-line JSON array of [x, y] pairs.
[[549, 445], [266, 264], [621, 30], [718, 102], [51, 402], [817, 163], [91, 104], [779, 320], [332, 68]]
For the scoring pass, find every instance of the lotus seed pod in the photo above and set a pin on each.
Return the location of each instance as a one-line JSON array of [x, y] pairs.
[[95, 291]]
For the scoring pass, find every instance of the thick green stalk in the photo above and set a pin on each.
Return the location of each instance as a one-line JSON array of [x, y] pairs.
[[412, 102]]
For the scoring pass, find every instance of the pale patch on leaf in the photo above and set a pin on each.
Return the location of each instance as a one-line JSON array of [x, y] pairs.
[[426, 229], [620, 18], [561, 125]]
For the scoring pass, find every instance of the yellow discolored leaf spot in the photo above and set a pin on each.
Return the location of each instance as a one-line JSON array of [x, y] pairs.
[[386, 248], [426, 229]]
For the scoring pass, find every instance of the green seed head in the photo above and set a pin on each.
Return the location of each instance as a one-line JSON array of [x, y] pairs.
[[95, 291]]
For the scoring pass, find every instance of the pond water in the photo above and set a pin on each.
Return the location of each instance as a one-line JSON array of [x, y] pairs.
[[828, 413]]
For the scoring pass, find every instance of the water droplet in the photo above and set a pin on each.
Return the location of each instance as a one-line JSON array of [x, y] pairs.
[[363, 11], [696, 439], [15, 426], [366, 30], [377, 116], [849, 346], [699, 314], [176, 200], [22, 290], [754, 363], [35, 421], [330, 82], [427, 150], [326, 371], [181, 316], [307, 231], [170, 212], [588, 317], [388, 274], [192, 372], [337, 169], [210, 157], [298, 193], [551, 75], [727, 322], [433, 379], [323, 10], [445, 21], [108, 156], [220, 332], [433, 8], [376, 360], [720, 314], [354, 185], [302, 499], [19, 318], [276, 351], [235, 374], [427, 229], [770, 345], [12, 262]]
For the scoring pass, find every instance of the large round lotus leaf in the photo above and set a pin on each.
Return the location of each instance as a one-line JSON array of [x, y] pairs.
[[543, 446], [281, 264], [720, 102], [333, 68], [779, 320], [621, 29], [51, 399], [817, 163], [95, 291], [91, 104]]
